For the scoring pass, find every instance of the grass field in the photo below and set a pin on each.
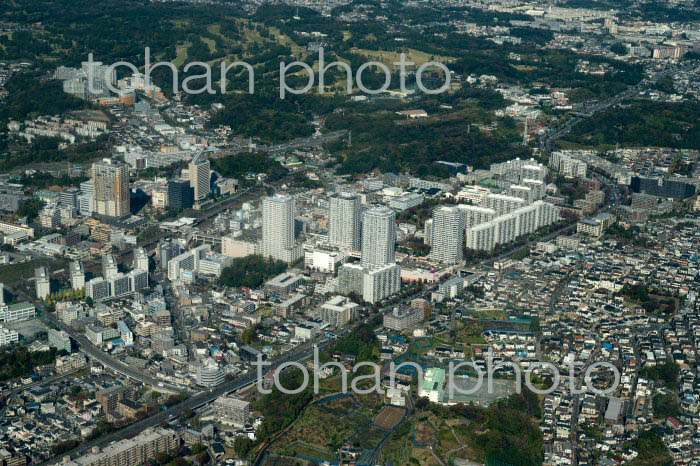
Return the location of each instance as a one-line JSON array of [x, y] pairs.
[[181, 57], [211, 43], [412, 55]]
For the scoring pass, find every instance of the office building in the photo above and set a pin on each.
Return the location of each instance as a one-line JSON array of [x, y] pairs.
[[69, 197], [99, 335], [209, 374], [213, 263], [278, 229], [344, 221], [324, 259], [283, 284], [240, 246], [378, 237], [186, 262], [88, 187], [111, 188], [59, 339], [42, 282], [77, 275], [232, 411], [167, 251], [200, 177], [180, 195], [448, 235], [671, 189]]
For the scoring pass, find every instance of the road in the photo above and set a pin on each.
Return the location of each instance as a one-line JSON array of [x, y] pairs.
[[96, 354], [314, 141], [200, 399], [48, 380], [548, 140], [299, 354]]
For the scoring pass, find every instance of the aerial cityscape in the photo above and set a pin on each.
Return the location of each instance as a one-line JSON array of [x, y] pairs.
[[349, 232]]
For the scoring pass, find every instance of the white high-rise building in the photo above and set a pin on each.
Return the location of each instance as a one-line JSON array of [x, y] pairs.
[[378, 276], [381, 282], [474, 215], [537, 187], [43, 282], [2, 294], [448, 235], [344, 221], [508, 227], [523, 192], [200, 177], [109, 267], [567, 165], [140, 259], [516, 170], [502, 204], [186, 262], [77, 275], [278, 228], [378, 237]]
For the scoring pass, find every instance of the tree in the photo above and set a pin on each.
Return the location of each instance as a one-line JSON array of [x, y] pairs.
[[243, 446], [250, 271], [618, 48], [30, 208]]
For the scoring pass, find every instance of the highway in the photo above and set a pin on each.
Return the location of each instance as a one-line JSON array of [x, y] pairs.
[[299, 354], [548, 140], [108, 361], [314, 141], [200, 399]]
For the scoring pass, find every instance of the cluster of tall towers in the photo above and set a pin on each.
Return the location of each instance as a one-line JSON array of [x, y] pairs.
[[371, 231]]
